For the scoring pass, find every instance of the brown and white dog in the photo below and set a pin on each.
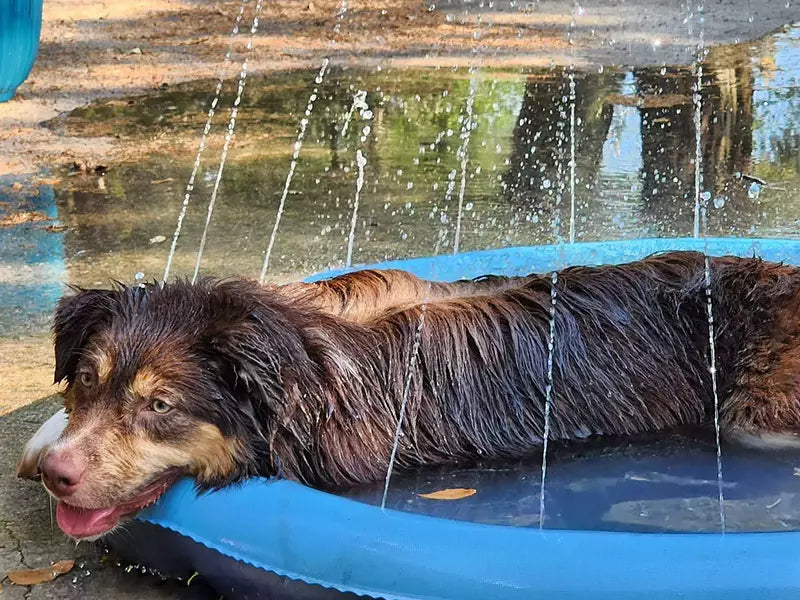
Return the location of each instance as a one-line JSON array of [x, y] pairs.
[[226, 379]]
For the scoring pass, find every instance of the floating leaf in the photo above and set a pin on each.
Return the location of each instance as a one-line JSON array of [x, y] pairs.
[[449, 494], [37, 576]]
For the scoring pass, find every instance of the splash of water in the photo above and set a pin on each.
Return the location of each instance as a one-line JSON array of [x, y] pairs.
[[448, 194], [466, 129], [406, 390], [359, 103], [340, 13], [226, 145], [700, 214], [571, 75], [571, 157], [697, 100], [465, 135], [463, 153], [203, 141], [361, 162], [298, 145], [551, 344], [713, 370]]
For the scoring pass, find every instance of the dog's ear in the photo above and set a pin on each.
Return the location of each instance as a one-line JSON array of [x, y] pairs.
[[258, 344], [248, 364], [77, 317]]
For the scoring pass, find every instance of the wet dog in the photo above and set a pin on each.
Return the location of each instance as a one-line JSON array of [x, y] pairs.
[[226, 379]]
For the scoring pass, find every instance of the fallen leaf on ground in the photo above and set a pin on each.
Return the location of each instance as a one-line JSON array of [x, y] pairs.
[[449, 494], [18, 218], [160, 181], [54, 181], [16, 186], [37, 576]]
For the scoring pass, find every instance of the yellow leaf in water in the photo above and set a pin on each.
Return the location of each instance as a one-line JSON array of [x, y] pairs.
[[37, 576], [449, 494]]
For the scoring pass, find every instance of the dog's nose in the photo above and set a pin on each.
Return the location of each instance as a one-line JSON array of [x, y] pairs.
[[61, 472]]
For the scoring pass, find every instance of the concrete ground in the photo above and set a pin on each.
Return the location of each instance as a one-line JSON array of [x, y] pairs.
[[29, 539]]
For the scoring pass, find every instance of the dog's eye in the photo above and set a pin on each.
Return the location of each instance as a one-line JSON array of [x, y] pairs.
[[86, 378], [160, 407]]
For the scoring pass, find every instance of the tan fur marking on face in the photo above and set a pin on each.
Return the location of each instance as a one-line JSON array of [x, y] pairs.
[[206, 455], [131, 461], [214, 455], [103, 363], [145, 383]]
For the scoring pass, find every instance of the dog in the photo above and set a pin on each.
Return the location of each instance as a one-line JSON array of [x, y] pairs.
[[226, 379]]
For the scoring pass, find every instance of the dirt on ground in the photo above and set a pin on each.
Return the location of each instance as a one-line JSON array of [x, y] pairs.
[[93, 49]]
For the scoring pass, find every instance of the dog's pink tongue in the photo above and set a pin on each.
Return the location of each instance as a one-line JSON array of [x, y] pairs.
[[85, 522]]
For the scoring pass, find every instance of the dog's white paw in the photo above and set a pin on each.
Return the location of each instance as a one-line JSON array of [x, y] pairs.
[[46, 436]]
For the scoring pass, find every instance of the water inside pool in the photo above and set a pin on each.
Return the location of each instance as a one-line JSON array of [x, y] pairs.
[[634, 177], [650, 484]]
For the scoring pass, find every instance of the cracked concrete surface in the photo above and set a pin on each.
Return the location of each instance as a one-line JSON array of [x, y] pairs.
[[29, 541]]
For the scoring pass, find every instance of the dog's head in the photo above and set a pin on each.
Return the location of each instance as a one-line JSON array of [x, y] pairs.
[[163, 382]]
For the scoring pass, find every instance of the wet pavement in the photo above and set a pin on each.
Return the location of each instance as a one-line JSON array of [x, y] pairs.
[[443, 159]]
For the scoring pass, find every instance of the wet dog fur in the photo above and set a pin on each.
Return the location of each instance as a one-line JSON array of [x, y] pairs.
[[226, 379]]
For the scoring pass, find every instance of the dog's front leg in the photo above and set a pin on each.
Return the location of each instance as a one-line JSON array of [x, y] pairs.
[[37, 446]]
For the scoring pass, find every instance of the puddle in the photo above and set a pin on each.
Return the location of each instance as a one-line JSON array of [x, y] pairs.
[[33, 263], [634, 143]]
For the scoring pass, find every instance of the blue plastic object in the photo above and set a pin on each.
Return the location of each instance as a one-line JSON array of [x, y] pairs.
[[20, 26], [302, 534]]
